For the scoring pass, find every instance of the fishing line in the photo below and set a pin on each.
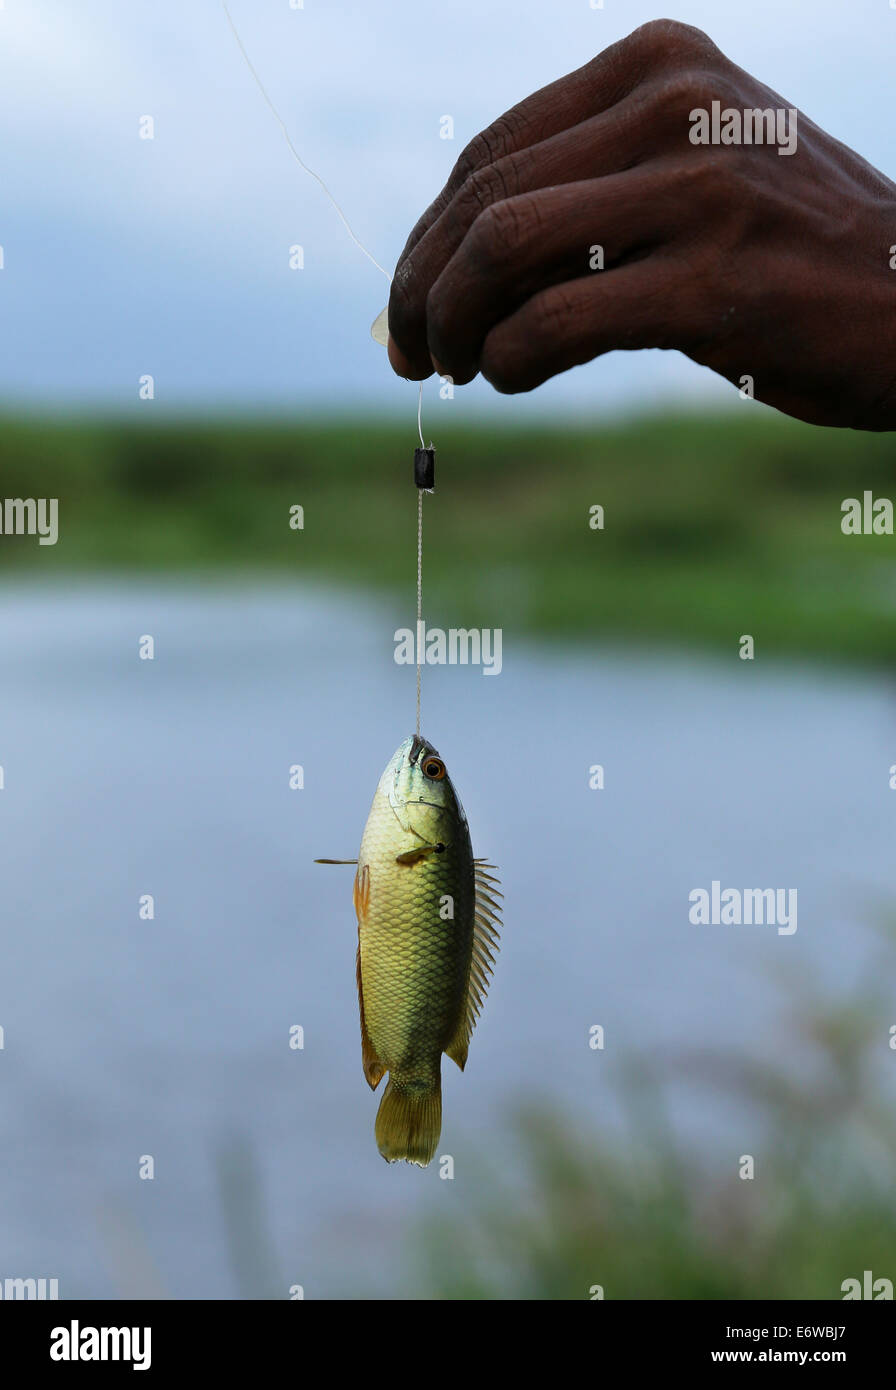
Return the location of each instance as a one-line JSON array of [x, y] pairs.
[[295, 154], [419, 599], [419, 642], [425, 478], [419, 410], [424, 459]]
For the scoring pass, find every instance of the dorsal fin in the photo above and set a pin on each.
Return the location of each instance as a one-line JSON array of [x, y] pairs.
[[486, 920]]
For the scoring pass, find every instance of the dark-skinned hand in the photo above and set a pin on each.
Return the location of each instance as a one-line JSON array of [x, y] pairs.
[[756, 264]]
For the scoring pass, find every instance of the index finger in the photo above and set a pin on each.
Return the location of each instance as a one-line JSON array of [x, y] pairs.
[[597, 86]]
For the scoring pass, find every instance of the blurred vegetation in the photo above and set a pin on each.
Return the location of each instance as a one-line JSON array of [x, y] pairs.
[[654, 1219], [714, 525], [551, 1208]]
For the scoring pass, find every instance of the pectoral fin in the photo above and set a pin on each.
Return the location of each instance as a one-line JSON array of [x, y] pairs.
[[411, 856], [486, 919]]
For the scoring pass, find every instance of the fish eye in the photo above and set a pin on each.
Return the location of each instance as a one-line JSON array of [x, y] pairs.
[[440, 848], [434, 768]]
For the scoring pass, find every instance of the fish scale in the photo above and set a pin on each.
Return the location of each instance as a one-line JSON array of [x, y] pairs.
[[414, 964]]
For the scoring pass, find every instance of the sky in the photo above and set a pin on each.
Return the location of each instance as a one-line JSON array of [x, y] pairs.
[[125, 257]]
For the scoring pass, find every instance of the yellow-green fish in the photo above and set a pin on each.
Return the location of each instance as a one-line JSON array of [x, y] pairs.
[[427, 926]]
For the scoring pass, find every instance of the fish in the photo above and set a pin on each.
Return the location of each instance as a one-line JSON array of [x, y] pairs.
[[428, 920]]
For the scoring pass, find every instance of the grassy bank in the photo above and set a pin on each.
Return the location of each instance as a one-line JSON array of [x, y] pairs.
[[713, 526]]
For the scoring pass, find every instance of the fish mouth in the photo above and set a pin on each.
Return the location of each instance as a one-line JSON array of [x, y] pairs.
[[419, 745]]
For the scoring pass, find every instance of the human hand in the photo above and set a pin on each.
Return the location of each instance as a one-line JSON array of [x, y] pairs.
[[760, 264]]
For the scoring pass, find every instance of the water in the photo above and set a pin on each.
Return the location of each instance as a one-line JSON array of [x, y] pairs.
[[170, 1038]]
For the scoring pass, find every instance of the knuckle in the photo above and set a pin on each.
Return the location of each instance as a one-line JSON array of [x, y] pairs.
[[553, 317], [694, 179], [486, 148], [465, 165], [669, 39], [497, 232], [696, 189], [680, 92], [485, 187], [499, 139], [713, 178]]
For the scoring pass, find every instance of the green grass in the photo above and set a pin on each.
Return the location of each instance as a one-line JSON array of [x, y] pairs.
[[642, 1225], [714, 526], [558, 1208]]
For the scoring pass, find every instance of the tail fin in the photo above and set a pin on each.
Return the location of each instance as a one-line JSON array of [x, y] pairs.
[[409, 1121]]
